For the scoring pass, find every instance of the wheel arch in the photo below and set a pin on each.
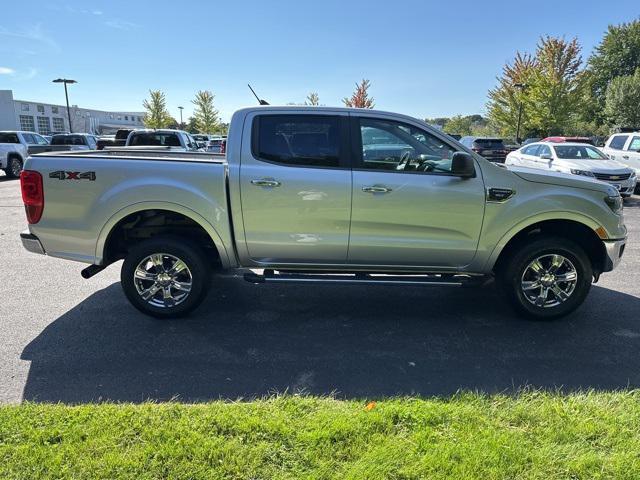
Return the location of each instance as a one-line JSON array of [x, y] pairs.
[[112, 225], [580, 229]]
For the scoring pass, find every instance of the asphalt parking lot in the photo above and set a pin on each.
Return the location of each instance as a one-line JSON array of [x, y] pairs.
[[63, 338]]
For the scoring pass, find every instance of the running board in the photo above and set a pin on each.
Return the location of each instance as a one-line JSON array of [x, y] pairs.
[[354, 278]]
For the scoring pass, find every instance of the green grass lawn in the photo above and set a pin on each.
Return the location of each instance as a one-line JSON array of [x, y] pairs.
[[529, 436]]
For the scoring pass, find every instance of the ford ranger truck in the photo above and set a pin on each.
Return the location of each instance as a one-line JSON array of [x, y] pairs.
[[326, 195]]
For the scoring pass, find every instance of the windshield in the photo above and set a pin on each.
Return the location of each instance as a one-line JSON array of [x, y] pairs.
[[579, 152]]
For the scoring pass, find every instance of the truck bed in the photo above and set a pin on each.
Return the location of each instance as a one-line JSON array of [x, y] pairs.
[[87, 192]]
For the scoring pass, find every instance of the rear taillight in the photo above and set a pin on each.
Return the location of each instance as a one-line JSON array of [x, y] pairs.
[[32, 195], [223, 147]]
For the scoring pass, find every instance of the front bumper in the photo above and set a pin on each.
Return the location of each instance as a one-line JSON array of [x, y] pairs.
[[31, 243], [614, 249]]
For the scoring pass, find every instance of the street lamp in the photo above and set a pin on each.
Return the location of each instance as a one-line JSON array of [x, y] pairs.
[[181, 126], [66, 95], [521, 87]]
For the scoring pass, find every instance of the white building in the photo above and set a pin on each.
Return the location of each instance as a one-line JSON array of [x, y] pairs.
[[45, 118]]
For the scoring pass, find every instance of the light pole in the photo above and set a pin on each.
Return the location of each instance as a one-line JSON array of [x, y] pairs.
[[521, 87], [66, 96], [181, 126]]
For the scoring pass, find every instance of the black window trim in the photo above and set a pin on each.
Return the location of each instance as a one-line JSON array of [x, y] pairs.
[[344, 152], [356, 147]]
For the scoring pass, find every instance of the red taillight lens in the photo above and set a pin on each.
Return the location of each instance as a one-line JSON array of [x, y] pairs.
[[32, 195], [223, 147]]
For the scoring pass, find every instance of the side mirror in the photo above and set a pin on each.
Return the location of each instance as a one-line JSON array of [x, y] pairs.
[[462, 165], [546, 156]]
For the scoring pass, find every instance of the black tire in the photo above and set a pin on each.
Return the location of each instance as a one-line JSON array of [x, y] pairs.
[[637, 189], [198, 269], [14, 167], [519, 268]]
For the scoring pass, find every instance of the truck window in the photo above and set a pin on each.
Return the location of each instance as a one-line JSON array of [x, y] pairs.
[[302, 140], [149, 139], [635, 144], [618, 141], [9, 138], [395, 146]]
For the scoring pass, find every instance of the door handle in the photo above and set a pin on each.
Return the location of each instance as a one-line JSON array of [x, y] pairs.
[[626, 157], [266, 182], [376, 189]]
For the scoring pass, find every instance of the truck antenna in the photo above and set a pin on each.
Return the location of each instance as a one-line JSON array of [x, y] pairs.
[[260, 101]]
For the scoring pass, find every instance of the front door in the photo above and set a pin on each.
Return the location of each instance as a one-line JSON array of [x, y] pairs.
[[295, 187], [408, 208]]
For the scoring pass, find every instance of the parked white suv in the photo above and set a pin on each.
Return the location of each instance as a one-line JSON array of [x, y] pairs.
[[625, 148], [576, 159]]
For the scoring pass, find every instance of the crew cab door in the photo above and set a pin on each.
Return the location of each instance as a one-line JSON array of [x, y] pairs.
[[408, 209], [295, 188]]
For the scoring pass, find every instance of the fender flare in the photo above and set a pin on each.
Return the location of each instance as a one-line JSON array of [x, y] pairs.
[[172, 207], [527, 222]]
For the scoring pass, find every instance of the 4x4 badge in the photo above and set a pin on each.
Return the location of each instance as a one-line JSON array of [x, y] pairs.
[[62, 175]]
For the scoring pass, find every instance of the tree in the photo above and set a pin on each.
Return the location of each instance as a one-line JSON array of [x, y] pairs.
[[504, 100], [312, 99], [192, 126], [360, 98], [156, 115], [549, 86], [622, 101], [206, 116], [556, 87], [618, 54], [459, 125]]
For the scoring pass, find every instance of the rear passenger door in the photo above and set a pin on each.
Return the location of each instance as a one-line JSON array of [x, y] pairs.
[[295, 188]]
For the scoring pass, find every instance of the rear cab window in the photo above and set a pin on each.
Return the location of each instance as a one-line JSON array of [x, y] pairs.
[[489, 143], [154, 139], [299, 140], [9, 138], [635, 144]]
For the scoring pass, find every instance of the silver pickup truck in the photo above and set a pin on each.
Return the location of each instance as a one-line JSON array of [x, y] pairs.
[[313, 194]]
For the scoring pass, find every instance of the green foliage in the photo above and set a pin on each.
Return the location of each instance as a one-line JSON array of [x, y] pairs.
[[459, 124], [360, 97], [313, 99], [464, 125], [553, 97], [618, 54], [156, 115], [622, 103], [467, 436], [548, 86], [206, 116]]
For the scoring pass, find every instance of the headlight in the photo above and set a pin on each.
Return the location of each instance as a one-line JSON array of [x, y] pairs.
[[582, 172], [614, 202]]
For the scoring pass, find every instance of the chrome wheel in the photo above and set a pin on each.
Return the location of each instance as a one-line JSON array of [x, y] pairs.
[[163, 280], [549, 280], [15, 167]]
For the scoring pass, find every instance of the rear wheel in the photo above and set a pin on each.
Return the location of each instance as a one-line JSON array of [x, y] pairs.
[[14, 167], [165, 277], [547, 278]]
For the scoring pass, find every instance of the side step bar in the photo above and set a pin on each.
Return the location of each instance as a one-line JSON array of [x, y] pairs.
[[354, 278]]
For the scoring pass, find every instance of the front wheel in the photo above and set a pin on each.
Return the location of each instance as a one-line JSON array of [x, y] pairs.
[[165, 277], [547, 278]]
